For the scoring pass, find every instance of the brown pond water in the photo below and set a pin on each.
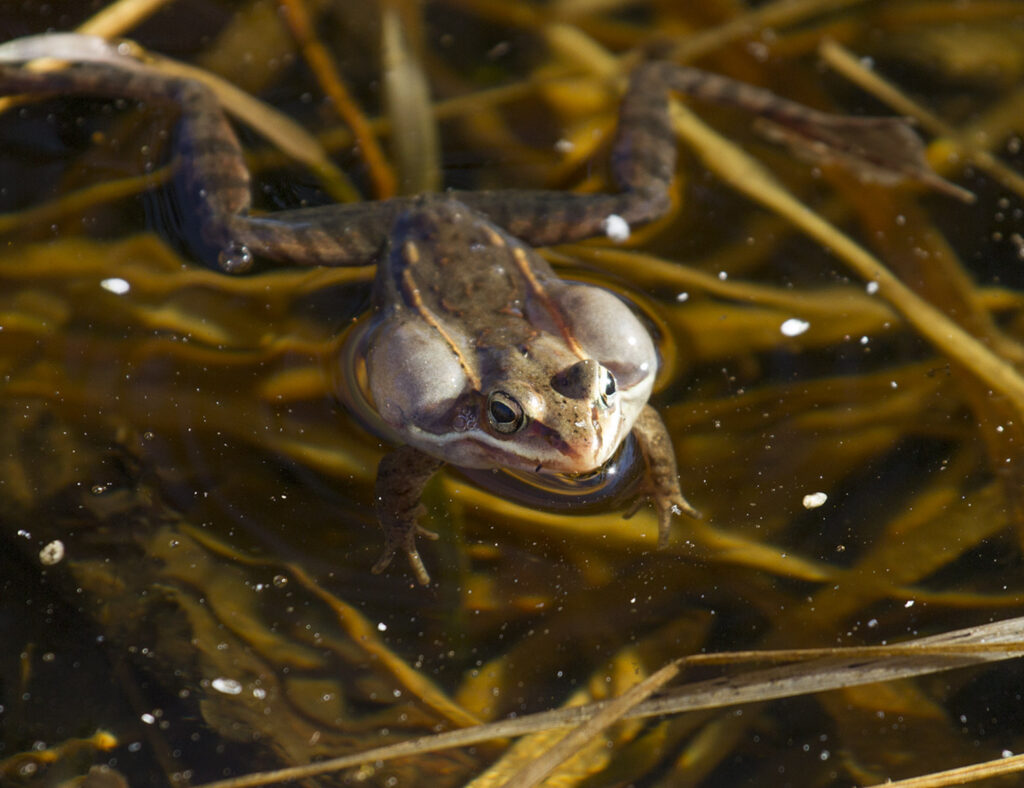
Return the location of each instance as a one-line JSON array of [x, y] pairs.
[[183, 440]]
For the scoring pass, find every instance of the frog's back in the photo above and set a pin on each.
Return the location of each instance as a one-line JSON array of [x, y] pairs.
[[449, 262]]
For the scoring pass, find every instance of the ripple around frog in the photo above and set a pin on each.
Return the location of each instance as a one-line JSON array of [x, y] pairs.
[[607, 487]]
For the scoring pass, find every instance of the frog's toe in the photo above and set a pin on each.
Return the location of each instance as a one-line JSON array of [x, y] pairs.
[[665, 512], [667, 509], [634, 507], [426, 533], [417, 565], [668, 506], [406, 543], [385, 559], [679, 505]]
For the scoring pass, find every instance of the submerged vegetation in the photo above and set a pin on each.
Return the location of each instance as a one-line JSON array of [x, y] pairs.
[[840, 377]]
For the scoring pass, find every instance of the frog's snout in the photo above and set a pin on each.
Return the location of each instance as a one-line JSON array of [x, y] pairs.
[[578, 381]]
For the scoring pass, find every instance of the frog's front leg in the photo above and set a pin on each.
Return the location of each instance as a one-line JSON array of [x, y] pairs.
[[401, 477], [661, 481]]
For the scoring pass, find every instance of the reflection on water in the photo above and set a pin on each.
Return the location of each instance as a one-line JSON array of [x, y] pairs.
[[180, 433]]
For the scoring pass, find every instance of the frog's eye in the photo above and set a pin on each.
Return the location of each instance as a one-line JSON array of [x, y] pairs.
[[608, 387], [505, 413]]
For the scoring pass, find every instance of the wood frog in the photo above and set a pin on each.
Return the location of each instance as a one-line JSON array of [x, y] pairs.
[[480, 356]]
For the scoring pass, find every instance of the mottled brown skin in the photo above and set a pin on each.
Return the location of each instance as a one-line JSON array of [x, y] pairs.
[[482, 357]]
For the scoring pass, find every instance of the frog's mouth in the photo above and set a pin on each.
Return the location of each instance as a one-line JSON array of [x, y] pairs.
[[610, 485], [545, 449]]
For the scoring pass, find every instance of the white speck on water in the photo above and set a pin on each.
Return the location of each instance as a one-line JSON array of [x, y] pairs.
[[908, 603], [565, 146], [227, 686], [116, 285], [682, 297], [871, 287], [616, 228], [814, 500], [148, 718], [382, 627], [723, 275], [53, 553], [794, 327]]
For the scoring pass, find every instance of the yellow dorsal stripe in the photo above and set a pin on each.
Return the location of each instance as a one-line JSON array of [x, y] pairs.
[[523, 263], [412, 293]]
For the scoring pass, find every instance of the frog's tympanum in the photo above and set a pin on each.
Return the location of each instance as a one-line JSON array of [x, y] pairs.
[[480, 355]]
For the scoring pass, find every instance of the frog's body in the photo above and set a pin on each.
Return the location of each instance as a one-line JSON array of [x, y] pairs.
[[480, 355], [479, 343]]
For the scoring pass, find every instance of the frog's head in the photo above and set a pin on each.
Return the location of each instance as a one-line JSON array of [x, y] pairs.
[[481, 356], [555, 419], [566, 399], [542, 406]]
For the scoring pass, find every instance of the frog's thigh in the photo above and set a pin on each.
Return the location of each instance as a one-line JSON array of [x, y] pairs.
[[414, 372]]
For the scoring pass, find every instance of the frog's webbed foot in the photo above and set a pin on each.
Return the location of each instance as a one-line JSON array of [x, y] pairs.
[[401, 477], [661, 482], [669, 501], [400, 536]]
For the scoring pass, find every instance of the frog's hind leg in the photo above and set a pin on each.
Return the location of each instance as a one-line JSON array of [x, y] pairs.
[[880, 149], [643, 161], [212, 175]]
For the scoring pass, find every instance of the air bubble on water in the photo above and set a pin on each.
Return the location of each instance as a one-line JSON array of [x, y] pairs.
[[794, 327], [814, 500], [227, 686], [52, 553], [116, 285], [616, 228], [235, 258]]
